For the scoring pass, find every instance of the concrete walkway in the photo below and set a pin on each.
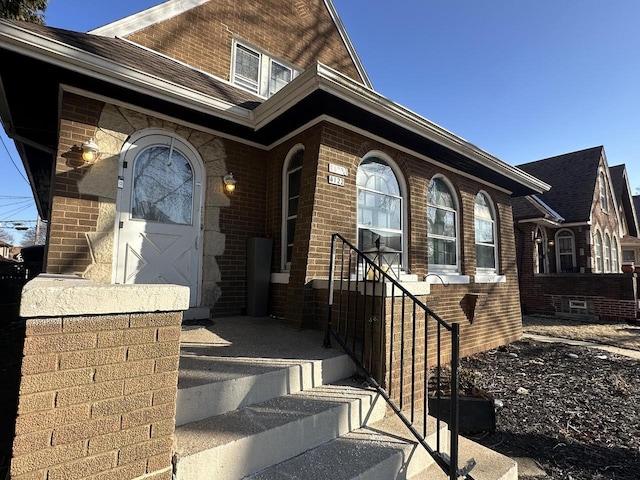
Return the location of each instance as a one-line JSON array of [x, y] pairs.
[[581, 343]]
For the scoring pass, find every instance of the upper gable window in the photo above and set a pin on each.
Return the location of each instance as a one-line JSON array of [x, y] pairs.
[[604, 202], [258, 72]]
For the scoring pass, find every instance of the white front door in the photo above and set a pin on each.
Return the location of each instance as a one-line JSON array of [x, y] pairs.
[[159, 204]]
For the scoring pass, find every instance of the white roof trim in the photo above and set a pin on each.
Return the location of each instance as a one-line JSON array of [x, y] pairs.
[[325, 78], [172, 8], [347, 41], [53, 51], [547, 207], [319, 78], [146, 18]]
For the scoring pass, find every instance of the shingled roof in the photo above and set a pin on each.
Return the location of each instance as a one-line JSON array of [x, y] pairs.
[[147, 62], [572, 177]]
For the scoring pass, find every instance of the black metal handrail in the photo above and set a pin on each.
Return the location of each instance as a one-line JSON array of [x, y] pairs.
[[366, 290]]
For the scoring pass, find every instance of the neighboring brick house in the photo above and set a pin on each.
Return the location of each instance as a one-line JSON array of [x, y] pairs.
[[571, 239], [186, 97]]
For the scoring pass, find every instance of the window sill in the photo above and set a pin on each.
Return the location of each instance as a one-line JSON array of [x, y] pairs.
[[282, 277], [490, 278], [447, 278]]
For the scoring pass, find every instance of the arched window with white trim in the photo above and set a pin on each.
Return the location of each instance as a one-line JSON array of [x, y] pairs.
[[607, 253], [598, 252], [486, 235], [380, 205], [615, 256], [540, 251], [565, 251], [291, 181], [442, 226]]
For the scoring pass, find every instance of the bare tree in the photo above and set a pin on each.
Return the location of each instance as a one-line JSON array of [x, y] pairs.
[[35, 236], [5, 236]]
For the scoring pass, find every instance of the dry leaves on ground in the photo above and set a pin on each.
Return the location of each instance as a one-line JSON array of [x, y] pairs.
[[572, 409]]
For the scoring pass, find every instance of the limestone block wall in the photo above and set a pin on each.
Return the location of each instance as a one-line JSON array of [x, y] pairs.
[[98, 390]]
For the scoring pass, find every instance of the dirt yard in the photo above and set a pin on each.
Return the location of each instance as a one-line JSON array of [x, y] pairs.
[[573, 410], [617, 334]]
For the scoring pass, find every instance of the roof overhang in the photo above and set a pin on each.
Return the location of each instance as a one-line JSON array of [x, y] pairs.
[[320, 92]]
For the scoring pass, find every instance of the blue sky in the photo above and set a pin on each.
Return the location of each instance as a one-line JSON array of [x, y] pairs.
[[521, 80]]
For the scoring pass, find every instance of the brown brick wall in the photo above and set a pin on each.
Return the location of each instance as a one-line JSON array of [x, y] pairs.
[[300, 33], [72, 214], [97, 397]]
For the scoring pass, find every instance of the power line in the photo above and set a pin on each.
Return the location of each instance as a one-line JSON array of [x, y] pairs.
[[14, 163]]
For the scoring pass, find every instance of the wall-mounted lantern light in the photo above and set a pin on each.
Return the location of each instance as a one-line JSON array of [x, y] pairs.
[[551, 243], [90, 151], [229, 182], [538, 238]]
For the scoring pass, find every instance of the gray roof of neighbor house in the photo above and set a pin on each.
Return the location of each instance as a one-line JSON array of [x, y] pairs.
[[112, 68], [572, 177], [622, 191]]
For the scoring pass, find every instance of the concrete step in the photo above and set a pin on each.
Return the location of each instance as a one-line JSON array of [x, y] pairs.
[[214, 385], [241, 442], [381, 451], [490, 465]]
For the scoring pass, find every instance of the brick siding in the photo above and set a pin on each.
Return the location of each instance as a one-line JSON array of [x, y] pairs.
[[97, 397], [300, 33]]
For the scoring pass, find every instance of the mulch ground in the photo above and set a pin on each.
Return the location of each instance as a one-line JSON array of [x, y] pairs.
[[574, 410]]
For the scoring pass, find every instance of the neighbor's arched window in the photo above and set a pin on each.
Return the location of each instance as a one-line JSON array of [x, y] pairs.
[[566, 251], [598, 252], [379, 205], [292, 174], [615, 257], [486, 235], [607, 253], [442, 226]]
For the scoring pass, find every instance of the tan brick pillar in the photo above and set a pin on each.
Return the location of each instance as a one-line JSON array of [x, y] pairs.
[[99, 380]]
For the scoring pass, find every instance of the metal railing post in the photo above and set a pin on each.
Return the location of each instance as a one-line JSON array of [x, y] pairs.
[[332, 260], [454, 426]]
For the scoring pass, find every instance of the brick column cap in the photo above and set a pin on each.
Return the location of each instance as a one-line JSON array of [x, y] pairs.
[[66, 295]]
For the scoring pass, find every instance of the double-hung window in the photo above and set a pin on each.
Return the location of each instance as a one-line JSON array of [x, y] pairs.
[[604, 202], [293, 177], [607, 253], [379, 205], [566, 249], [442, 227], [485, 230], [598, 252], [615, 257], [258, 72]]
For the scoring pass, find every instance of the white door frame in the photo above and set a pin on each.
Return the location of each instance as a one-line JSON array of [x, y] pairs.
[[128, 154]]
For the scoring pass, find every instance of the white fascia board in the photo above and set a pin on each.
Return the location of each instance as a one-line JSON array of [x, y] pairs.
[[347, 41], [542, 221], [145, 18], [51, 51], [324, 78], [548, 208]]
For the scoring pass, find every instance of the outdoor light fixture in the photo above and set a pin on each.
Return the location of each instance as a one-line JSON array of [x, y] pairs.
[[551, 243], [229, 182], [538, 239], [90, 151]]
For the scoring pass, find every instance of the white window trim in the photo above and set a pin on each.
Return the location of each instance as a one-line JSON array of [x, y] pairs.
[[447, 269], [284, 267], [264, 72], [615, 256], [595, 251], [573, 248], [543, 244], [606, 252], [483, 271], [604, 198], [403, 204]]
